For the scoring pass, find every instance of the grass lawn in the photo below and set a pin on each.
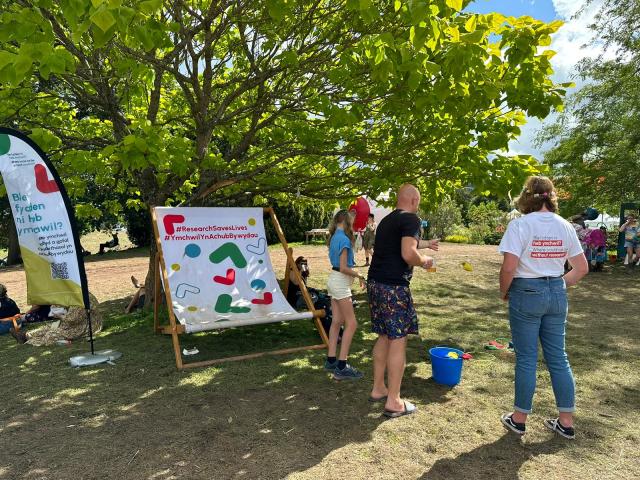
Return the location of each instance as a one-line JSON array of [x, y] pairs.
[[282, 417]]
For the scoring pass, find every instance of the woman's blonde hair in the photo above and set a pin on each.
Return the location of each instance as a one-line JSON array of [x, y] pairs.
[[342, 216], [538, 191]]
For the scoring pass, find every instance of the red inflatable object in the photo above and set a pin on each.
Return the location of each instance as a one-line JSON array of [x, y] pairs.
[[361, 207]]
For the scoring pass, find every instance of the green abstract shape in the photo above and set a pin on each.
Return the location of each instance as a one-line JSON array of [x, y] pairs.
[[229, 250], [5, 144], [223, 305]]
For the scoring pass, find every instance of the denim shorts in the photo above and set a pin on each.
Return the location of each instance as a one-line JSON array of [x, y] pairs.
[[635, 243], [392, 310]]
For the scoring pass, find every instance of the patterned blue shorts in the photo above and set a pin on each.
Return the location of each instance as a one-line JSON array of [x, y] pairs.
[[392, 311]]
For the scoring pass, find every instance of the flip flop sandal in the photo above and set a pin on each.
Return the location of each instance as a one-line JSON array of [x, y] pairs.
[[378, 399], [409, 408]]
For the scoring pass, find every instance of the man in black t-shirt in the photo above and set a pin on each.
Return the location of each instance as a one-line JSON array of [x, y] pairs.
[[393, 316]]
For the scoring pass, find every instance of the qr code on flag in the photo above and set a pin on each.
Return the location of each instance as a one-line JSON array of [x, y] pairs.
[[59, 271]]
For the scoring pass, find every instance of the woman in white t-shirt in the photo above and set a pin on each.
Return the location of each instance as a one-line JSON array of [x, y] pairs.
[[535, 248]]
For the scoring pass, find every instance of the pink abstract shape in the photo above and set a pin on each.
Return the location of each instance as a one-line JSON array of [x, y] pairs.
[[266, 300], [170, 220], [229, 279], [43, 184]]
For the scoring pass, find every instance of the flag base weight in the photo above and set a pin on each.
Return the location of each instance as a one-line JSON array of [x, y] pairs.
[[88, 359]]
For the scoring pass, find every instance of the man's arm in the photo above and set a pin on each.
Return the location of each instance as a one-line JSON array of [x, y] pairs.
[[410, 254], [432, 244]]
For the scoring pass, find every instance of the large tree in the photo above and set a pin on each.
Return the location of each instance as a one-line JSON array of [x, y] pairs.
[[178, 100], [596, 160]]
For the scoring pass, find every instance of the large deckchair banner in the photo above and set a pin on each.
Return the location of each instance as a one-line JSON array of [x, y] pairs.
[[218, 268], [44, 222]]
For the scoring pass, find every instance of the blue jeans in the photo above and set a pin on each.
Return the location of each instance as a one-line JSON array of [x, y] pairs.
[[538, 309]]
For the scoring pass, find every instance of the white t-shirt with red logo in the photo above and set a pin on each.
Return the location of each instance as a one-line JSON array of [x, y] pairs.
[[542, 241]]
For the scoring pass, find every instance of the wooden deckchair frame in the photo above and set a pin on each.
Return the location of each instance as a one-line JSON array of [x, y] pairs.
[[174, 328]]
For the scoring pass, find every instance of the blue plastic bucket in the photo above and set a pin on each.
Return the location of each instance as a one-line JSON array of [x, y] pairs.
[[446, 370]]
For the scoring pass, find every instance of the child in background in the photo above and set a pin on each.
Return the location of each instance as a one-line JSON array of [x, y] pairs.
[[341, 242], [596, 241], [631, 231], [369, 238]]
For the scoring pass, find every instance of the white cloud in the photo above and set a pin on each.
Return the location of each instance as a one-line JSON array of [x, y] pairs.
[[572, 43]]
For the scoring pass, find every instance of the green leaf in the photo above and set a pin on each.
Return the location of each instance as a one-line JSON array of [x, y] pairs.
[[544, 40], [432, 68], [397, 4], [276, 9], [473, 37], [414, 79], [470, 25], [103, 19], [150, 6], [455, 4]]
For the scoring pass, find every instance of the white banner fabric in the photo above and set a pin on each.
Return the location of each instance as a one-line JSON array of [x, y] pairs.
[[42, 221], [219, 270]]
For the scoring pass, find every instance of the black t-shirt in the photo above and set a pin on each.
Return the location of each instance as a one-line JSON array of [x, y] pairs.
[[8, 308], [387, 265]]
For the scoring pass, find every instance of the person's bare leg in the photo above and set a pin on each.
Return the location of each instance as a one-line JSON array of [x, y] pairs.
[[396, 360], [134, 301], [380, 353], [566, 419], [334, 331], [350, 325], [520, 417], [638, 256], [629, 258]]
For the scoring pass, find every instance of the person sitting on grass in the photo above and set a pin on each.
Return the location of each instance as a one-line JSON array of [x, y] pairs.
[[70, 324], [8, 310], [138, 299], [114, 242], [36, 314]]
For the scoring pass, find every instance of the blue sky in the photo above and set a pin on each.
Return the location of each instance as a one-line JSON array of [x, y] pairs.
[[539, 9], [568, 42]]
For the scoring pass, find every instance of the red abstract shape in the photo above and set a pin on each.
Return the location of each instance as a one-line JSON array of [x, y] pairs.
[[228, 280], [170, 220], [43, 184], [362, 209], [267, 300]]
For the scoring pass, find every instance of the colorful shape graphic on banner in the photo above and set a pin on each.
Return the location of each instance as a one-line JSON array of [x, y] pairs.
[[44, 223], [237, 286]]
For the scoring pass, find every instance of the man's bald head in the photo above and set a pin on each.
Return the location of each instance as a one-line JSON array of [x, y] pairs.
[[408, 198]]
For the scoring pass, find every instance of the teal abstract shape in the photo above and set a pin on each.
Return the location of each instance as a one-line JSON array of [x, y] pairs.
[[192, 250], [5, 143], [258, 284], [223, 305], [229, 250]]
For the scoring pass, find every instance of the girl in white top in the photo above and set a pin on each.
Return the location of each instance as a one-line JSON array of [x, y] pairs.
[[535, 248]]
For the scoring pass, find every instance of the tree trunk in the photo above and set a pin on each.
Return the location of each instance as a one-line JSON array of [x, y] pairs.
[[150, 279], [13, 256]]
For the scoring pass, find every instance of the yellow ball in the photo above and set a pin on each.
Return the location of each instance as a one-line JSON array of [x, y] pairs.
[[453, 355]]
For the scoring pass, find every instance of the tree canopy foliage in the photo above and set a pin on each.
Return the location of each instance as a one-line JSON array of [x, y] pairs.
[[596, 160], [167, 101]]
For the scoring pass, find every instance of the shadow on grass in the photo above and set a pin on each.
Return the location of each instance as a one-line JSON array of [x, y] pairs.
[[500, 460], [264, 418]]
